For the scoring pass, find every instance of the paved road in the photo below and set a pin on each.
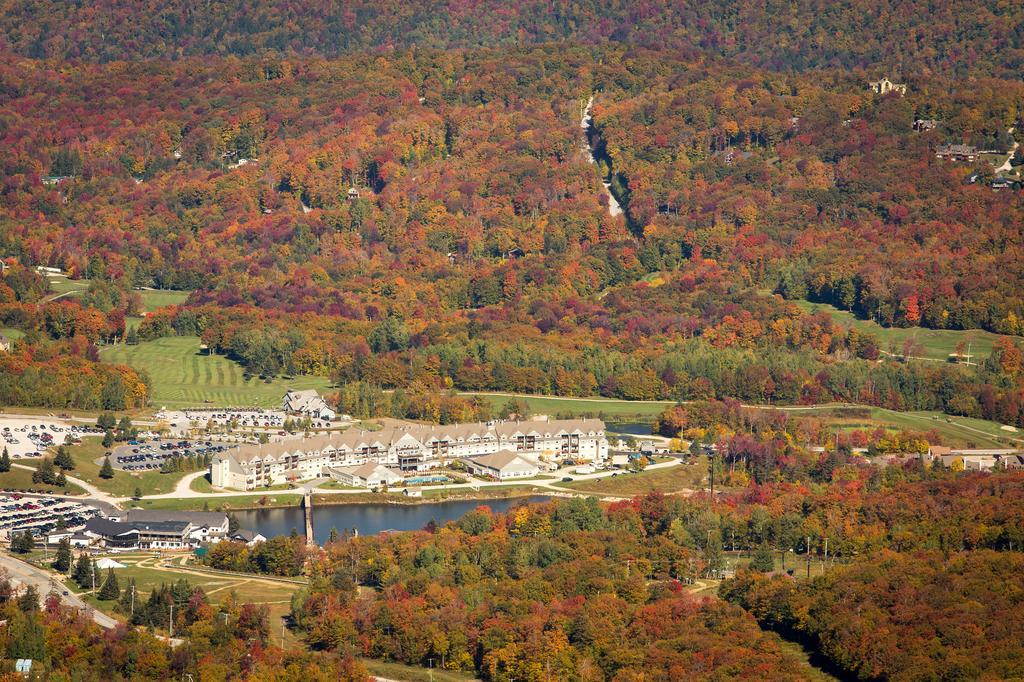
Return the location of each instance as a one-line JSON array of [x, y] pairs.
[[28, 574]]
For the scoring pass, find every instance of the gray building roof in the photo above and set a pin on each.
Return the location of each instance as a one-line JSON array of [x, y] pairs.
[[354, 439], [207, 519]]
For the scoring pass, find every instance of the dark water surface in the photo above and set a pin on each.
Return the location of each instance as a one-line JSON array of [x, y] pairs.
[[368, 519]]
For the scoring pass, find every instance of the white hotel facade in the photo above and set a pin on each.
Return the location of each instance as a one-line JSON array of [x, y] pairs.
[[406, 447]]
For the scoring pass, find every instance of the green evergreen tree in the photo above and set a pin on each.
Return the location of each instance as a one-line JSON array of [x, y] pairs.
[[23, 543], [763, 560], [125, 603], [5, 461], [110, 590], [62, 561], [106, 471], [132, 338], [106, 421], [63, 459], [27, 636], [138, 493], [233, 524], [124, 428], [61, 481], [83, 571], [28, 601], [108, 438], [45, 472]]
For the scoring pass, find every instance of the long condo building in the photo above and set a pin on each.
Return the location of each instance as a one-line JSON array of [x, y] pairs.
[[406, 447]]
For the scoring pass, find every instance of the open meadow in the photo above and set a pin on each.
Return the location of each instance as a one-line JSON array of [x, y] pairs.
[[88, 461], [182, 376], [150, 570], [669, 480], [933, 344], [555, 406]]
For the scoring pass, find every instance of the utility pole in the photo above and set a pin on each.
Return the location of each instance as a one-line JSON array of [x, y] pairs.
[[808, 556], [133, 598], [172, 619], [826, 556]]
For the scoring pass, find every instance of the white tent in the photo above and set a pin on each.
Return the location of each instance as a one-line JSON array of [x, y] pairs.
[[105, 563]]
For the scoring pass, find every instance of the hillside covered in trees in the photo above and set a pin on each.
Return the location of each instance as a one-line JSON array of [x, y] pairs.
[[976, 38], [426, 219], [413, 198]]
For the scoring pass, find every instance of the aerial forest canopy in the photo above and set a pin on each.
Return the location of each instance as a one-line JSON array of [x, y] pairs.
[[732, 207], [922, 37], [389, 219]]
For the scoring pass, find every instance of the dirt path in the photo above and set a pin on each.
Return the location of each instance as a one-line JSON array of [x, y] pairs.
[[586, 123]]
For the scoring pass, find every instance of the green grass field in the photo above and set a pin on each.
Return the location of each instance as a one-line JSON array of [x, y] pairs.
[[12, 333], [552, 405], [61, 284], [21, 479], [936, 344], [124, 483], [158, 298], [182, 377], [221, 503], [149, 573], [409, 673], [671, 479]]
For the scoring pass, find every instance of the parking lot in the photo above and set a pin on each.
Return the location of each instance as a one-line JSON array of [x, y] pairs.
[[24, 437], [150, 456], [181, 420], [40, 515]]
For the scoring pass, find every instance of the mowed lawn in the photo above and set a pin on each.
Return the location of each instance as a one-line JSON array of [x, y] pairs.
[[667, 480], [149, 573], [158, 298], [936, 344], [954, 431], [181, 376], [21, 479], [222, 503], [124, 483], [552, 405]]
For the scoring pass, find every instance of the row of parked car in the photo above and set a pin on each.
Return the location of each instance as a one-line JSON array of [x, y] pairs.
[[146, 457], [40, 515]]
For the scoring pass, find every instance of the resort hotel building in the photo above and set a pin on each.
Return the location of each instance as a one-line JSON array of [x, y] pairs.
[[403, 447]]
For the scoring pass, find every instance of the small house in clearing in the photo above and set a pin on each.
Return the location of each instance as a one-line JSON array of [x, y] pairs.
[[957, 152]]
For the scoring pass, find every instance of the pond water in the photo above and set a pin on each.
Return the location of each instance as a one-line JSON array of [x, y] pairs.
[[368, 519]]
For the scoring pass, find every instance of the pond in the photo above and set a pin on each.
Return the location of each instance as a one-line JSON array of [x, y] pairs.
[[368, 519]]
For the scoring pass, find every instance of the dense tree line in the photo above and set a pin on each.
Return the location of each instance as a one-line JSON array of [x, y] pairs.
[[475, 253], [948, 36], [229, 641], [916, 615]]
